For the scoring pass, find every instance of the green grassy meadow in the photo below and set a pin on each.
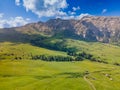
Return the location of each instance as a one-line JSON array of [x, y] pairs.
[[108, 52], [40, 75], [10, 50], [27, 74]]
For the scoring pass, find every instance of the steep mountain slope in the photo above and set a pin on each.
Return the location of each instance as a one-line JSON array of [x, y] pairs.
[[89, 28], [105, 29]]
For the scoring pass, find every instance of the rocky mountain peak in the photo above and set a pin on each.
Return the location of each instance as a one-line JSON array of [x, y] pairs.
[[91, 28]]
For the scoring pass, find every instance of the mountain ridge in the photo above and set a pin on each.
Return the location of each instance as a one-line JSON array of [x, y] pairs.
[[88, 28]]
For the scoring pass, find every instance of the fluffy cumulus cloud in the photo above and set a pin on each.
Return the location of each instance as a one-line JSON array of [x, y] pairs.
[[48, 8], [13, 22]]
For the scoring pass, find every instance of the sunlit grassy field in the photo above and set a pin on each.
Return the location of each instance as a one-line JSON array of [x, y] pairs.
[[10, 50], [27, 74], [108, 52], [40, 75]]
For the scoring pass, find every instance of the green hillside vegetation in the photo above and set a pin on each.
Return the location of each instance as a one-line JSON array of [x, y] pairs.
[[107, 52], [50, 47], [41, 75], [37, 62], [100, 51], [20, 51], [24, 51]]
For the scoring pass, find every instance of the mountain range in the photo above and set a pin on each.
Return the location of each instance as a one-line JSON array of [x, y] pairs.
[[88, 28]]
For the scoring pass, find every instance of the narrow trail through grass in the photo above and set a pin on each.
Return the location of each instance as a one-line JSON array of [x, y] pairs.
[[91, 84]]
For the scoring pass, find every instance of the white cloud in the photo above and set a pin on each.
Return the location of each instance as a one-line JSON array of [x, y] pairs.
[[46, 8], [78, 17], [13, 22], [104, 11], [76, 8], [82, 15], [51, 8], [17, 21], [17, 2]]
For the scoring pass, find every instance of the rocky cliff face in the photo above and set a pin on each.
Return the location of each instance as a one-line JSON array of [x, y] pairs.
[[105, 29], [90, 28]]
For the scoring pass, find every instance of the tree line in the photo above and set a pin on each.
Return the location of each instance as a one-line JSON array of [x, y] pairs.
[[52, 58], [70, 57]]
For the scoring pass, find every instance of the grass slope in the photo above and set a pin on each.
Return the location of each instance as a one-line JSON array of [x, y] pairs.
[[29, 74], [108, 52], [40, 75], [11, 50]]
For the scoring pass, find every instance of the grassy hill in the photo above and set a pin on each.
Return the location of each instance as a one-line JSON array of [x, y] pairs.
[[104, 51], [58, 47], [24, 51], [41, 75], [107, 52]]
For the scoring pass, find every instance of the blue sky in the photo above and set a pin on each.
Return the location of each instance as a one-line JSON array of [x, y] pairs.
[[20, 12]]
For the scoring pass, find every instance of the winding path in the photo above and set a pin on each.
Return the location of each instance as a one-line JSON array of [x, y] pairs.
[[91, 84]]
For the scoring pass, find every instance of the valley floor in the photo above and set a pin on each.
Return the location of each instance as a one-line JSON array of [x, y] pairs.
[[40, 75]]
